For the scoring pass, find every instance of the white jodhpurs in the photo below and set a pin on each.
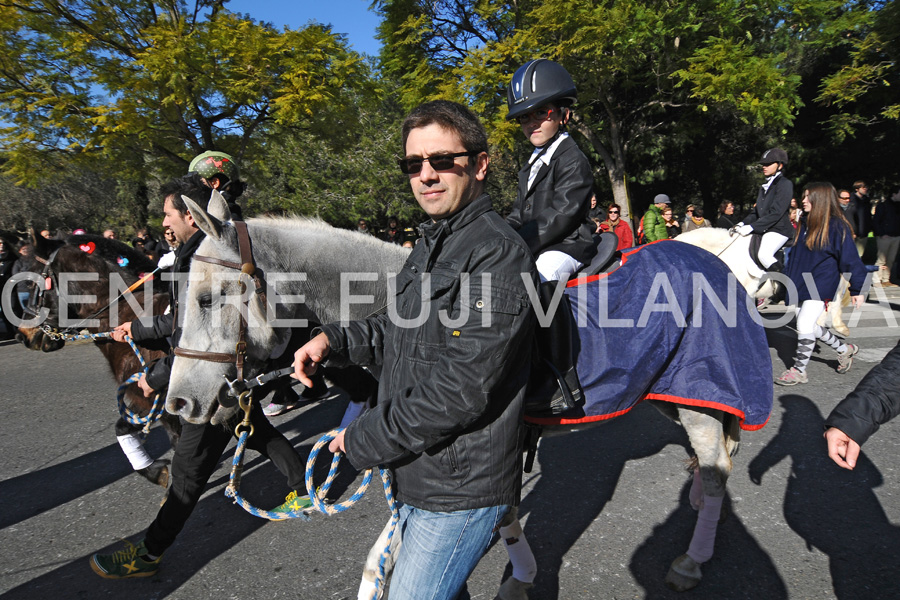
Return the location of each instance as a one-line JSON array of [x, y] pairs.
[[554, 265], [770, 243]]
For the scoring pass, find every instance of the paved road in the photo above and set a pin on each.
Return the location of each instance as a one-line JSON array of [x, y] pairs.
[[606, 509]]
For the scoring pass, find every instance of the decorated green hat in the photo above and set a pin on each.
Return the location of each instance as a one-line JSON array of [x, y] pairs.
[[212, 163]]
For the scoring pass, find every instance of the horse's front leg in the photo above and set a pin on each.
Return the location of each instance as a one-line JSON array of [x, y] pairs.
[[367, 587], [704, 429]]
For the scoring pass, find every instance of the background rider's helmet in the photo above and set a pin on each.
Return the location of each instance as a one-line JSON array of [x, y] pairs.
[[213, 163], [774, 155], [536, 83]]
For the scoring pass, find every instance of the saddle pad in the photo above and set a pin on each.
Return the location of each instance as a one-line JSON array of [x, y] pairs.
[[671, 324]]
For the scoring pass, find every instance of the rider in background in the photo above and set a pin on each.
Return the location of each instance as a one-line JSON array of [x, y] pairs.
[[822, 251], [219, 171], [769, 216], [555, 188]]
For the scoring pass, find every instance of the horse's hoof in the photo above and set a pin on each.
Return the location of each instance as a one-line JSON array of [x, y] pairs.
[[684, 574], [157, 472], [513, 589]]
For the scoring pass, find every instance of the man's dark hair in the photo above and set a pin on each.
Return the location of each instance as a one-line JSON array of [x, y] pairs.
[[451, 116], [859, 184], [189, 185]]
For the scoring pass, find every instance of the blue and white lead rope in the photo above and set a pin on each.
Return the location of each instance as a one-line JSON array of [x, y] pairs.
[[342, 506], [126, 413]]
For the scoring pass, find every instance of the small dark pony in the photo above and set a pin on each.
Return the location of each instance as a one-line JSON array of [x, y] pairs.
[[108, 258]]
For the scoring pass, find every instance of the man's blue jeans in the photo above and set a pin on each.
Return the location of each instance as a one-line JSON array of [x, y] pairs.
[[440, 550]]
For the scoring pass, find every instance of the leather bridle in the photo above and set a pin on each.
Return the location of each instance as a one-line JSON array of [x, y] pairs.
[[246, 266]]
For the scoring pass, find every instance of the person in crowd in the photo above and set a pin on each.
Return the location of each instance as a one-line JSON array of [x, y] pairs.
[[726, 218], [844, 201], [8, 258], [169, 240], [695, 220], [886, 227], [673, 228], [823, 250], [45, 233], [219, 171], [200, 445], [22, 265], [619, 226], [393, 233], [362, 226], [596, 211], [653, 226], [770, 215], [688, 213], [859, 213], [447, 421], [874, 402], [109, 234], [553, 199]]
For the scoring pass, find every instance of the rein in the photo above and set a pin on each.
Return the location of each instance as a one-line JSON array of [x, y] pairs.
[[244, 430], [125, 412], [49, 277]]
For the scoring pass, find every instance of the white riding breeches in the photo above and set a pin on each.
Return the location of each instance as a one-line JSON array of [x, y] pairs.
[[554, 265], [770, 243]]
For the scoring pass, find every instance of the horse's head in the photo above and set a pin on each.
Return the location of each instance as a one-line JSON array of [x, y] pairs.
[[62, 295], [734, 251], [223, 320]]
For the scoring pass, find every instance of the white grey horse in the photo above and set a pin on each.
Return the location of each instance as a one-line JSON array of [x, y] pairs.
[[340, 265]]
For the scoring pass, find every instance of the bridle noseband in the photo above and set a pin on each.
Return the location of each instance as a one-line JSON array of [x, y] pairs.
[[247, 267]]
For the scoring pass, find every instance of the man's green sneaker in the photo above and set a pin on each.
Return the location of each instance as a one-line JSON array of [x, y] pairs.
[[131, 561], [292, 504]]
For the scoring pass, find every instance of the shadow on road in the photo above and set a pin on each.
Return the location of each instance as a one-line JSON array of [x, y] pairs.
[[833, 509], [82, 475], [579, 474], [216, 525]]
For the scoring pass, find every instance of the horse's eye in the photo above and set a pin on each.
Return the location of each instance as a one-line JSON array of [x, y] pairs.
[[204, 300]]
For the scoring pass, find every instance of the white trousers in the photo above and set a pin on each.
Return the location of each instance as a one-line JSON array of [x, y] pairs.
[[770, 243], [554, 265]]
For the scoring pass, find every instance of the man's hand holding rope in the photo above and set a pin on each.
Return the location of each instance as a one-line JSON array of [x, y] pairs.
[[306, 362]]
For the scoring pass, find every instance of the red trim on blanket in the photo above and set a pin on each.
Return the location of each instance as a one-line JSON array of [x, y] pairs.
[[661, 397], [599, 276]]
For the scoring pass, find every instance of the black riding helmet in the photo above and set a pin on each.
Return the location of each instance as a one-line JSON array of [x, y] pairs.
[[536, 83]]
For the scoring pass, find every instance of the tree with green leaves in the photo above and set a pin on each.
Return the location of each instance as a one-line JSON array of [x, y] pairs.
[[137, 88], [643, 67]]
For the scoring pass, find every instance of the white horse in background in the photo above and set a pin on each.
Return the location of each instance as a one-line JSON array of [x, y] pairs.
[[323, 254], [734, 251]]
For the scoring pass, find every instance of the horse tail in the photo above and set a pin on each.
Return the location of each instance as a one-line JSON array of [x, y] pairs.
[[732, 431]]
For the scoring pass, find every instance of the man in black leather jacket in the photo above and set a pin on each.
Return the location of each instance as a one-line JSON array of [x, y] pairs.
[[874, 402], [455, 346]]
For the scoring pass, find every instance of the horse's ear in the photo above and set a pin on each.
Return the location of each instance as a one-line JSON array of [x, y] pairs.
[[204, 221], [218, 207]]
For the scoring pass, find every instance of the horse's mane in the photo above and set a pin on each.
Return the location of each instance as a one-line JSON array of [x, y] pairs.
[[111, 251], [316, 225]]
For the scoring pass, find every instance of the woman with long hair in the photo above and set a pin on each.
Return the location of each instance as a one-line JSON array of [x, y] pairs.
[[823, 249]]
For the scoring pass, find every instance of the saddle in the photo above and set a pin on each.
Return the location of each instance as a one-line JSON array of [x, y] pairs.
[[553, 387]]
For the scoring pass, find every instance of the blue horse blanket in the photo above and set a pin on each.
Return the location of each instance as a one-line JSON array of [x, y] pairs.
[[671, 323]]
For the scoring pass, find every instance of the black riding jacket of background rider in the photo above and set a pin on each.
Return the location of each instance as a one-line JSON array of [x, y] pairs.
[[874, 402], [166, 326], [553, 214], [773, 208], [450, 396]]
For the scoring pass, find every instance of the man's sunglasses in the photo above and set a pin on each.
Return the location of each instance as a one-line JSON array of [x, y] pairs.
[[438, 162], [540, 114], [613, 212]]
